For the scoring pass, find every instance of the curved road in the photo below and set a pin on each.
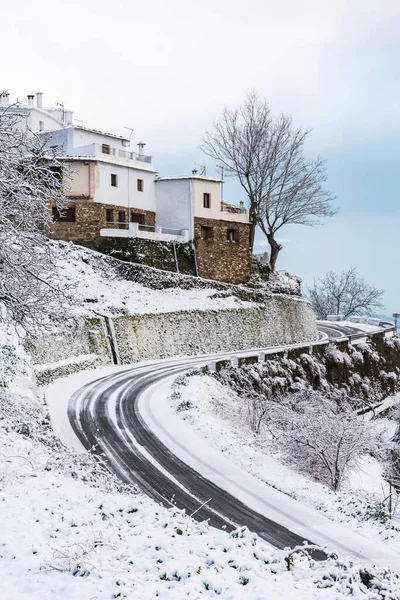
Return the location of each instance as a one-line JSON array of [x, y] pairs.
[[105, 416]]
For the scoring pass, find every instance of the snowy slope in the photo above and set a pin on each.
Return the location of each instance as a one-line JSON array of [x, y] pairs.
[[220, 417], [96, 286], [69, 530]]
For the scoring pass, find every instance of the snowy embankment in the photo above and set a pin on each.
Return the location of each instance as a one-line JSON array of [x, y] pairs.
[[98, 286], [70, 530], [220, 417]]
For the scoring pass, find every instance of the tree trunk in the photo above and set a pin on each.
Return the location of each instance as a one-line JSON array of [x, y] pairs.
[[252, 232], [275, 249]]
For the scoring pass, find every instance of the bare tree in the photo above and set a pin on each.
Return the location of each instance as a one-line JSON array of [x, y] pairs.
[[266, 154], [323, 438], [29, 183], [344, 294]]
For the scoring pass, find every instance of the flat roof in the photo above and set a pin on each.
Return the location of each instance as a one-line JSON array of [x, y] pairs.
[[112, 135], [199, 177], [118, 137], [83, 158]]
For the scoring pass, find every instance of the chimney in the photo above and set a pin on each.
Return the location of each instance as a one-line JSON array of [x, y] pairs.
[[30, 99], [141, 146], [39, 99], [4, 99]]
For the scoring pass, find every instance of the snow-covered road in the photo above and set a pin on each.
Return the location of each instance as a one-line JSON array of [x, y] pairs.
[[123, 413]]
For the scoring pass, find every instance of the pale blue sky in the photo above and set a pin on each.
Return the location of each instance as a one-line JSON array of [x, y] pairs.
[[167, 68]]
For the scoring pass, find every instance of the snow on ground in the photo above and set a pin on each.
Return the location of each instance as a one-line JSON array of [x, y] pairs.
[[98, 288], [220, 416], [69, 530]]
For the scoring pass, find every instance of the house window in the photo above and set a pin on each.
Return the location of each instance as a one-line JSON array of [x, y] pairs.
[[232, 235], [109, 215], [207, 233], [207, 200], [137, 218], [140, 185], [121, 219], [63, 215], [105, 148], [41, 125], [114, 180]]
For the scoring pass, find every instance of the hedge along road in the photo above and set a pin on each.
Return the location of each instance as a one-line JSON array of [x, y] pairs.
[[105, 415]]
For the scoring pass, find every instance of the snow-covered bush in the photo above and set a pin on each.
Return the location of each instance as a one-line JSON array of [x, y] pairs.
[[29, 184], [324, 439]]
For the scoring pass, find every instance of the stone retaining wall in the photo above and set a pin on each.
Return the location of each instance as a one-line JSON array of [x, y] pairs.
[[282, 320]]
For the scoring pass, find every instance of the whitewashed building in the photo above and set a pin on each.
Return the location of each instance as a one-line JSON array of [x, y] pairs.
[[114, 192]]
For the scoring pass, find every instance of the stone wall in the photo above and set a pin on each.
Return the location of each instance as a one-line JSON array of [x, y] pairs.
[[281, 320], [90, 217], [221, 259], [79, 337], [150, 253]]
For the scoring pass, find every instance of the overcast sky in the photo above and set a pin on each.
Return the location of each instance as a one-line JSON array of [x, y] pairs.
[[167, 68]]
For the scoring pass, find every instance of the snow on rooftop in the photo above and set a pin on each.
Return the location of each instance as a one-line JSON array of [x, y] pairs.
[[199, 177]]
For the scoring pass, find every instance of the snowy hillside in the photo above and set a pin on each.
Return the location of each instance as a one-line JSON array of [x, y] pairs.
[[96, 284], [69, 530]]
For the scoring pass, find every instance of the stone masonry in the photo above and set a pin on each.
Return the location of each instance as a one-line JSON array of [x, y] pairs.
[[90, 217], [217, 257]]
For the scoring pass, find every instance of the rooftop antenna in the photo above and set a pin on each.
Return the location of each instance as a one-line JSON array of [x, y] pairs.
[[131, 131], [203, 169], [221, 169]]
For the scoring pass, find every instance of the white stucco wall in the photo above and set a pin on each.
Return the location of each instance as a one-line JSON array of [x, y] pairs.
[[62, 138], [213, 188], [81, 137], [174, 204], [31, 116], [120, 195], [79, 184]]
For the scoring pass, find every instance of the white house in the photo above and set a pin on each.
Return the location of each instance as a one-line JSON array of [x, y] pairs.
[[34, 117], [115, 192]]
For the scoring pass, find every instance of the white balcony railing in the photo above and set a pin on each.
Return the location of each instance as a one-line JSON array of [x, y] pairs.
[[148, 232], [103, 150]]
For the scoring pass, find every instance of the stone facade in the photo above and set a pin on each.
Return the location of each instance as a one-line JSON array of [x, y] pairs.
[[224, 255], [90, 217]]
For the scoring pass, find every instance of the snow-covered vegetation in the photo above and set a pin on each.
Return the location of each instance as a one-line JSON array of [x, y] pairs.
[[297, 446], [69, 529]]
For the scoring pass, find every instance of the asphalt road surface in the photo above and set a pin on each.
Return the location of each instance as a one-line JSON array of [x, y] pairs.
[[105, 417]]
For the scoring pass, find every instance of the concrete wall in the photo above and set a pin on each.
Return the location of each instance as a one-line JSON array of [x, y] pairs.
[[173, 200], [283, 320]]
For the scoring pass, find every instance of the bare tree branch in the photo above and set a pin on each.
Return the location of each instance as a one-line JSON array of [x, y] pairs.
[[29, 183], [266, 154], [344, 294]]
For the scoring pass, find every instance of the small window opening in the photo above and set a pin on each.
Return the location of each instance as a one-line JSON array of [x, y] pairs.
[[137, 218], [114, 180], [121, 219], [63, 215], [207, 200], [140, 185], [207, 233], [105, 148], [109, 215], [232, 235]]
